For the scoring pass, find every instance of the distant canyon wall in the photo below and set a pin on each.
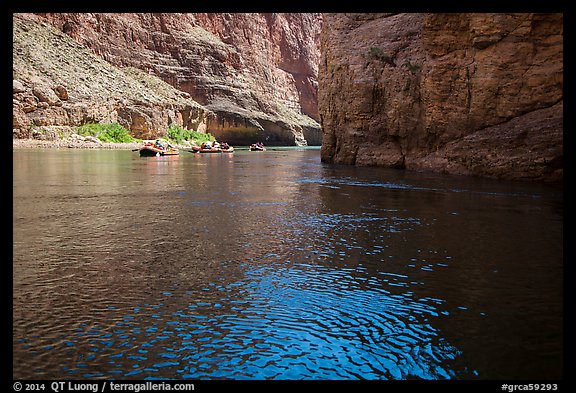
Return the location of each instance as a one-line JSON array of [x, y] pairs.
[[473, 94], [58, 85], [255, 74]]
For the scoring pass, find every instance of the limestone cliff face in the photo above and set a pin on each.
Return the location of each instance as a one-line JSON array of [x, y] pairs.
[[475, 94], [256, 73]]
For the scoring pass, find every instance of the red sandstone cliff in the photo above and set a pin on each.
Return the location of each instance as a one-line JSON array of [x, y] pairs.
[[58, 84], [478, 94], [256, 73]]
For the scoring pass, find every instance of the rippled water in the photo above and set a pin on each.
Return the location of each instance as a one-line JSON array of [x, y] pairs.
[[272, 265]]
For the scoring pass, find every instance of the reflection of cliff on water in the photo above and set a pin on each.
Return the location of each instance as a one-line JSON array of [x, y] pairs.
[[488, 252]]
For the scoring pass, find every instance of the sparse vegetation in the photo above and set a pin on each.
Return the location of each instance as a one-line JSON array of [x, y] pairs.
[[378, 54], [413, 68], [110, 132], [178, 134], [407, 84]]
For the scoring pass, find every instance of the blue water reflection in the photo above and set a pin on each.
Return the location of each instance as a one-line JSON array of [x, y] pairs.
[[290, 324]]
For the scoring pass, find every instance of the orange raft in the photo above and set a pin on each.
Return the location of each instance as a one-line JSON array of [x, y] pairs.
[[150, 150], [196, 149], [257, 147]]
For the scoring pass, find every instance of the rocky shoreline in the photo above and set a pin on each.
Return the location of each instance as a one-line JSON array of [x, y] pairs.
[[63, 144]]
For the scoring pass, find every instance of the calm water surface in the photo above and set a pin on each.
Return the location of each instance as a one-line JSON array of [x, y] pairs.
[[272, 265]]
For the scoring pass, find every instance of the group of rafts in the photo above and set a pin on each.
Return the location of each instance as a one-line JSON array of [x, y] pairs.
[[159, 148]]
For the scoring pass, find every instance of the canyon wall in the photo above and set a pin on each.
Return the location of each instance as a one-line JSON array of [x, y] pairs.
[[255, 73], [474, 94], [58, 84]]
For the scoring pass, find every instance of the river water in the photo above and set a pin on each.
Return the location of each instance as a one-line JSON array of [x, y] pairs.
[[272, 265]]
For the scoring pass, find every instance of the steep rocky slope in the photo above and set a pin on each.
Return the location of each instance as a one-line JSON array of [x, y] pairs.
[[478, 94], [256, 72], [59, 84]]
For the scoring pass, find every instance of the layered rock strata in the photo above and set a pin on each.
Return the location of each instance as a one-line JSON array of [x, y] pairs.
[[256, 72], [58, 84], [475, 94]]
